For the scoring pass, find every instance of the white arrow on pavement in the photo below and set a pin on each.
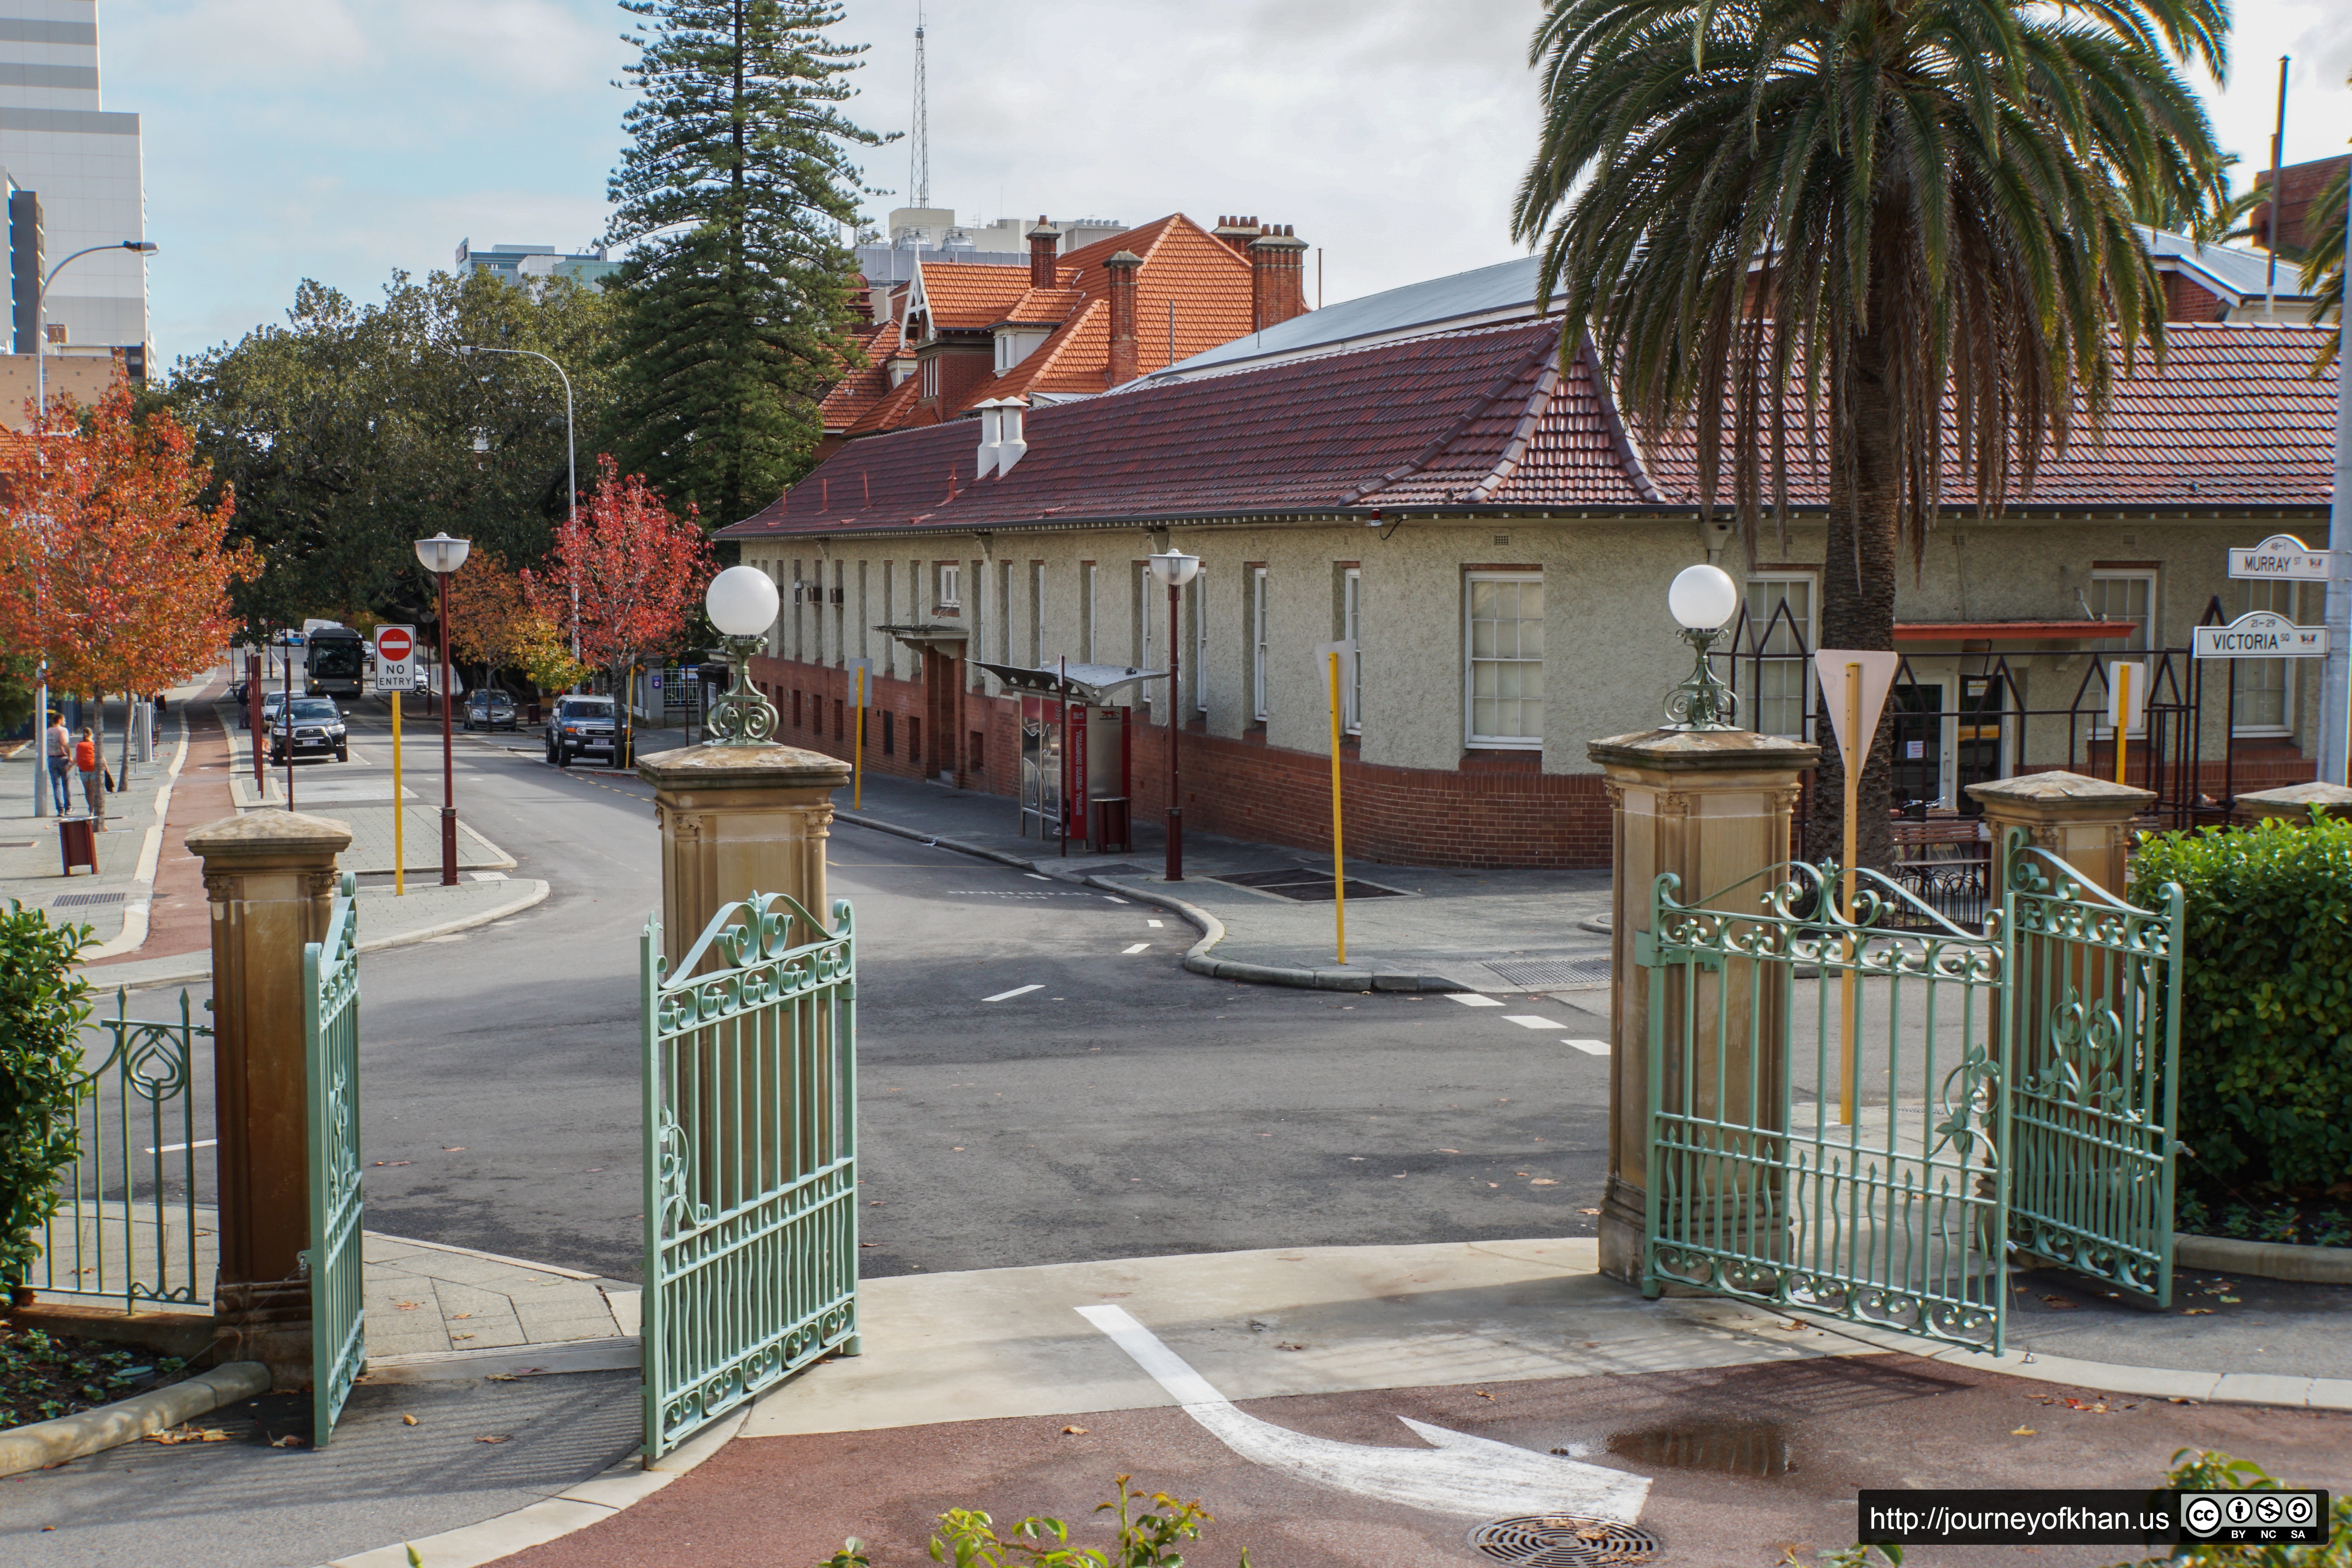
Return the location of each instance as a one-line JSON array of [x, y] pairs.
[[1473, 1477]]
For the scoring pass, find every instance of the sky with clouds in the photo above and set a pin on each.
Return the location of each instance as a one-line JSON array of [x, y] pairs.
[[340, 140]]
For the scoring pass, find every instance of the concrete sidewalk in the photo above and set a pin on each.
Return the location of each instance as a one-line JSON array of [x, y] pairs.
[[1409, 927]]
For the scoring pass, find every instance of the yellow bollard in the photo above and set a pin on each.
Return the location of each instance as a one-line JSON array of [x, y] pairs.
[[2123, 715]]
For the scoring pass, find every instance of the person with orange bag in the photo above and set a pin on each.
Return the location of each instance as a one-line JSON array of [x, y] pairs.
[[93, 776]]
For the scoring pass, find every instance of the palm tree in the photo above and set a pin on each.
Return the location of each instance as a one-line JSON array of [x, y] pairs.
[[1808, 229]]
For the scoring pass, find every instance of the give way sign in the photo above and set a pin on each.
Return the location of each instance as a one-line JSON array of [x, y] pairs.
[[395, 658]]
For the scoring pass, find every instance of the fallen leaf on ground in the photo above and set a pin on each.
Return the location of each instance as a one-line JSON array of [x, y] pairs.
[[2231, 1300], [498, 1377], [408, 1421], [1441, 1151], [455, 1315], [2058, 1302], [458, 1150], [2196, 1312], [188, 1434], [1483, 1395], [495, 1437], [1074, 1431], [2025, 1432], [407, 1306], [1543, 1181], [869, 1244], [391, 1162], [1288, 1346], [1587, 1211], [288, 1441], [461, 1336]]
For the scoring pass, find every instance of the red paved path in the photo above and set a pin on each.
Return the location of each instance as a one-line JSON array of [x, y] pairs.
[[1837, 1425], [179, 920]]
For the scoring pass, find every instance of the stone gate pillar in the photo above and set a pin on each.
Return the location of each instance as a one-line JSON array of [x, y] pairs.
[[2293, 805], [736, 820], [271, 878], [1715, 808], [2085, 822]]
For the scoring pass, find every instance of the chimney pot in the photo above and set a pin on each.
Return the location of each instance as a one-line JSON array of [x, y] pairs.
[[1044, 240], [1277, 284], [1010, 447], [992, 435], [1121, 268]]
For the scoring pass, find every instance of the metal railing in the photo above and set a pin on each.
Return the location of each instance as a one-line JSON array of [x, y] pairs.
[[128, 1224]]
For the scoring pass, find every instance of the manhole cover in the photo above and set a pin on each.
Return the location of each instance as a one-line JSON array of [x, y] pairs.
[[1554, 971], [83, 901], [1562, 1540], [1306, 887]]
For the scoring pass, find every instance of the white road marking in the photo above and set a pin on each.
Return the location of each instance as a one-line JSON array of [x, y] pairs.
[[1016, 991], [180, 1148], [1119, 900], [1467, 1477], [1472, 999], [1034, 874], [1156, 925], [1138, 947], [1531, 1021], [1590, 1047]]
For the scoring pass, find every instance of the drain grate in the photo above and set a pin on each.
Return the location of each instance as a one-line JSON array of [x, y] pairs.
[[1306, 887], [1562, 1540], [84, 900], [1554, 971]]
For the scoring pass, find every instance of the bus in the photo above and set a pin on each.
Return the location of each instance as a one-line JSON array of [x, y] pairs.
[[335, 662]]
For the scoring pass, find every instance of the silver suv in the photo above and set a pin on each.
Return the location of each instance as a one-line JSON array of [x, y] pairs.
[[579, 726]]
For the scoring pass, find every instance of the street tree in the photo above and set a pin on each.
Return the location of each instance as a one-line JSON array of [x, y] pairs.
[[491, 623], [625, 582], [352, 430], [120, 563], [735, 297], [1804, 234]]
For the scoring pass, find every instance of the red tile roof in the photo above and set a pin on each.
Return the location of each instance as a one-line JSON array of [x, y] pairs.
[[856, 392], [1485, 420], [970, 296]]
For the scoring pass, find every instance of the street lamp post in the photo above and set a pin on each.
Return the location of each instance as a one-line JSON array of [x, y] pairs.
[[1174, 569], [572, 474], [41, 408], [442, 555], [741, 603]]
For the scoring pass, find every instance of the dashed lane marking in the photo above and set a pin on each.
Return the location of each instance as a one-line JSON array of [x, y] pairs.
[[1138, 947], [1532, 1021], [1472, 999], [1016, 991], [1117, 900], [1034, 874], [1157, 925], [1590, 1047]]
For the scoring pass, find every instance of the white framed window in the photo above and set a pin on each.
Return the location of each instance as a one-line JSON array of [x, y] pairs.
[[976, 647], [1004, 612], [1351, 629], [1036, 615], [930, 375], [1143, 641], [2264, 689], [800, 610], [1258, 626], [841, 607], [950, 587], [2125, 594], [1503, 646], [1781, 637], [1199, 592], [1087, 612]]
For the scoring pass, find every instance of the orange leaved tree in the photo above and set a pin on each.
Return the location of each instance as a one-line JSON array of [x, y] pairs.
[[624, 580], [491, 622], [110, 569]]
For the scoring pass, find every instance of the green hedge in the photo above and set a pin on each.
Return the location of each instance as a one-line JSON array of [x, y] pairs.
[[2266, 998], [42, 1007]]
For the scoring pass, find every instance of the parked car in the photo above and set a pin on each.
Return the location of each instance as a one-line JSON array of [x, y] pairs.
[[310, 726], [270, 702], [579, 725], [490, 709]]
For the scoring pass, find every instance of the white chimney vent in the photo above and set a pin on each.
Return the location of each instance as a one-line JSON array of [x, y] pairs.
[[991, 427], [1010, 447]]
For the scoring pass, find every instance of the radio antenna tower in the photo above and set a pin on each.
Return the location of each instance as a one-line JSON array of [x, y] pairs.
[[918, 175]]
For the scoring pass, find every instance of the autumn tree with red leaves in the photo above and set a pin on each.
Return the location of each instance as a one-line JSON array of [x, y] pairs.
[[626, 579], [491, 622], [112, 571]]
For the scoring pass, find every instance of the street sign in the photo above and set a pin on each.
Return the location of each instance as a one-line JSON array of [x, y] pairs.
[[2281, 558], [2259, 634], [1346, 649], [396, 660], [2126, 695], [859, 696], [1877, 677]]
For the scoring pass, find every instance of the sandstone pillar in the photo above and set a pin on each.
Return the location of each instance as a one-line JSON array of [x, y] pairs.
[[736, 820], [2293, 805], [271, 878], [1715, 808], [2085, 822]]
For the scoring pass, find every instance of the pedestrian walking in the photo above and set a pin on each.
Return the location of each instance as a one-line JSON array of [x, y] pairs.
[[94, 779], [59, 744]]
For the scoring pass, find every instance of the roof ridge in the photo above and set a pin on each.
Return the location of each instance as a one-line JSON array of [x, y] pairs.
[[1621, 435]]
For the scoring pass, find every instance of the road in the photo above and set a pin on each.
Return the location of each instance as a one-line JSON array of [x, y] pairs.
[[1115, 1107]]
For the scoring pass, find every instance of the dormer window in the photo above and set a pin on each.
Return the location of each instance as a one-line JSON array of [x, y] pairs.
[[1015, 344], [931, 376]]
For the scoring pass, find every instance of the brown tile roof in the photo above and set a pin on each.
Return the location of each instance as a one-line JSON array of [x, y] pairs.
[[1487, 419], [2233, 418], [970, 296], [856, 392]]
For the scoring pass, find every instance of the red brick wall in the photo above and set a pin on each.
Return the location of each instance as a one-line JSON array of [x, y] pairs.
[[1496, 812], [2186, 301]]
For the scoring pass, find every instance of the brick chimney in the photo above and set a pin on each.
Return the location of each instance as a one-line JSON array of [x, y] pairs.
[[1045, 243], [1121, 268], [1277, 288], [1237, 232]]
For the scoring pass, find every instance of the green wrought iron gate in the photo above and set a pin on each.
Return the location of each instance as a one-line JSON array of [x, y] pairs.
[[751, 1129], [330, 1001], [1995, 1093]]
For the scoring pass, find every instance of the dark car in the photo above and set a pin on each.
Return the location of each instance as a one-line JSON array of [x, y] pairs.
[[490, 709], [579, 725], [310, 727]]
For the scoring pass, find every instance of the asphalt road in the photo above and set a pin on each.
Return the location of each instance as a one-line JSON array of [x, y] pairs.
[[1120, 1108]]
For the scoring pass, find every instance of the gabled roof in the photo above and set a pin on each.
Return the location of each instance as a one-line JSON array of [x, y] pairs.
[[960, 297], [856, 394]]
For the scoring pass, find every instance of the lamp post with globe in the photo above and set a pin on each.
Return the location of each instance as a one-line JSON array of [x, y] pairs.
[[1702, 599], [741, 602], [1173, 568], [441, 555]]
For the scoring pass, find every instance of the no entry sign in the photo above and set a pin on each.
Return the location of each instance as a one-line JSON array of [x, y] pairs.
[[395, 658]]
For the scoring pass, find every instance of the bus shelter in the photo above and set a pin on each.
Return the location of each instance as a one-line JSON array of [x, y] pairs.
[[1077, 765]]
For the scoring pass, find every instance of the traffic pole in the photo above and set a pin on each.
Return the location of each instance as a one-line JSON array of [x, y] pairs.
[[2336, 676], [2124, 711], [857, 764], [399, 811], [1857, 751]]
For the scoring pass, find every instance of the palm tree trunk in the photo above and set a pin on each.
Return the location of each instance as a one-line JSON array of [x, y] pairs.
[[1858, 599]]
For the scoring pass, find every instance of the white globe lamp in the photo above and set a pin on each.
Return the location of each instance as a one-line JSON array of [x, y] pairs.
[[741, 603], [1702, 599]]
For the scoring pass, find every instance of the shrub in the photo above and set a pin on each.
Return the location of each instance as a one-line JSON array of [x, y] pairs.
[[2206, 1470], [42, 1007], [2266, 996]]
